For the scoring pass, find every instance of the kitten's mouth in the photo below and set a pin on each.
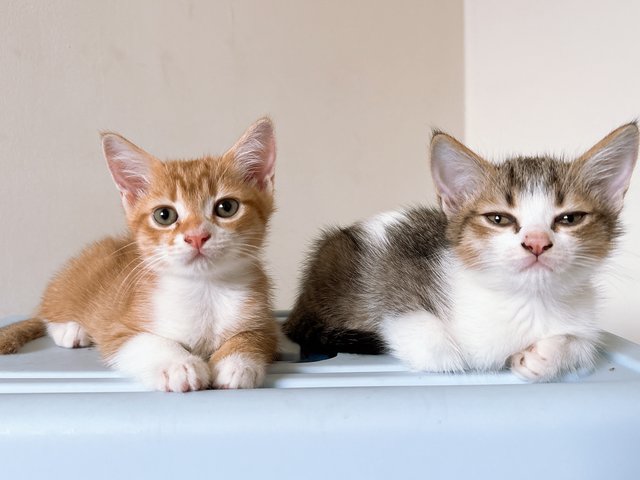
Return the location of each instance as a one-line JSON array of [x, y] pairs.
[[197, 256], [203, 257], [536, 264]]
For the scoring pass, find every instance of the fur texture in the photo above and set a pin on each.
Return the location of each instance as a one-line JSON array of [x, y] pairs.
[[185, 290], [12, 338], [501, 274]]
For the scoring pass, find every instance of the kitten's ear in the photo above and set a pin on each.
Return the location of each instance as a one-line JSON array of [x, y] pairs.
[[457, 171], [608, 165], [255, 153], [130, 166]]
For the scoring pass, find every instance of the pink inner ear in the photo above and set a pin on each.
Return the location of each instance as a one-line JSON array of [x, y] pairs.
[[610, 163], [131, 185], [255, 152], [129, 165], [263, 170], [455, 172]]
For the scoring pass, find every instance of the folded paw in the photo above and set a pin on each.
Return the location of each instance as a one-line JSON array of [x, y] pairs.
[[238, 370], [68, 335], [183, 375], [541, 361]]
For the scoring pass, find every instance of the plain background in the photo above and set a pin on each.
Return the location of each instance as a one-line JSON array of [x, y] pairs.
[[353, 86]]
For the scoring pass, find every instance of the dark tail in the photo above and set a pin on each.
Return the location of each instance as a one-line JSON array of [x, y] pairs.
[[313, 337], [14, 336]]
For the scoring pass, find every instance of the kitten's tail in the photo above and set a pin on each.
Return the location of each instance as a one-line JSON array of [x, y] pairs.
[[16, 335], [315, 337]]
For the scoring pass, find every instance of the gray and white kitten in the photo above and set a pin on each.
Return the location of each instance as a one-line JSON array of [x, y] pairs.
[[501, 275]]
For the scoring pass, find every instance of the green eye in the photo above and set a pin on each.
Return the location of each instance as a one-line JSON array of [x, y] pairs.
[[165, 216], [227, 207], [570, 218], [501, 219]]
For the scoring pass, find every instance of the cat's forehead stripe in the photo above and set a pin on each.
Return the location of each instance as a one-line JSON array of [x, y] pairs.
[[190, 183], [509, 198], [193, 180], [531, 174], [528, 173]]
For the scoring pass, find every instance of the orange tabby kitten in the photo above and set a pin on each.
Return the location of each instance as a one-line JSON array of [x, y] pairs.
[[182, 302]]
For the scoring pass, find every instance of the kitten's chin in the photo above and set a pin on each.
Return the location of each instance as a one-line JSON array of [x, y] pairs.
[[201, 264], [208, 266]]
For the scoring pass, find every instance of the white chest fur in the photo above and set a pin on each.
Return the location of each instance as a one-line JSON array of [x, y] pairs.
[[490, 323], [199, 313]]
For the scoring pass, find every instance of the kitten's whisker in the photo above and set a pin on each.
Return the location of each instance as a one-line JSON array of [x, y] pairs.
[[134, 281], [123, 283], [143, 273], [251, 246], [123, 247], [248, 254], [142, 266]]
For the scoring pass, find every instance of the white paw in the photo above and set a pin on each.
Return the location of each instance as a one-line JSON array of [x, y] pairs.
[[183, 375], [541, 361], [238, 370], [68, 335]]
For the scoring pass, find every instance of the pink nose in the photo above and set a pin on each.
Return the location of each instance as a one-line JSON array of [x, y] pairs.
[[537, 242], [196, 240]]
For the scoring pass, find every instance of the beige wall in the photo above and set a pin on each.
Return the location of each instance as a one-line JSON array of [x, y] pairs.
[[353, 86], [555, 76]]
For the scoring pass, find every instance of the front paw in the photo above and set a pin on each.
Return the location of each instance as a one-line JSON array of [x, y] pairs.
[[184, 375], [541, 361], [238, 370], [69, 335]]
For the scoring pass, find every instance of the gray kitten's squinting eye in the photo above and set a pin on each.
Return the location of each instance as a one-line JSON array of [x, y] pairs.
[[570, 219], [500, 219], [227, 207], [165, 216]]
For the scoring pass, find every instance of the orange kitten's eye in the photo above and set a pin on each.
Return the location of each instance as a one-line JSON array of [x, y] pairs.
[[227, 207], [570, 219], [165, 216], [501, 219]]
